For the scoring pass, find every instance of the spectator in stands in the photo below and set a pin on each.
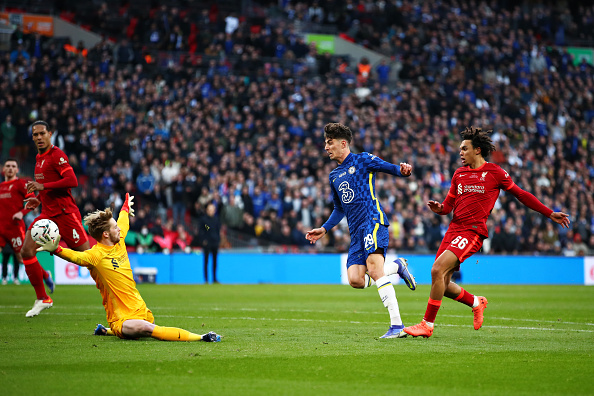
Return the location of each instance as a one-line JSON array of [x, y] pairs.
[[383, 72], [232, 213], [363, 71], [145, 182], [20, 57], [466, 76], [579, 247], [8, 131]]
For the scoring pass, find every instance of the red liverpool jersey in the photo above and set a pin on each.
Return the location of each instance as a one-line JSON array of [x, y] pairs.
[[475, 192], [12, 195], [49, 167]]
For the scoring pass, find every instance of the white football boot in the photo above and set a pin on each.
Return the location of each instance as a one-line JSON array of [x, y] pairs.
[[38, 306]]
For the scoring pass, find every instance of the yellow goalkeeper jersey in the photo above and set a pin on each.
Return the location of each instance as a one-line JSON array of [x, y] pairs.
[[110, 268]]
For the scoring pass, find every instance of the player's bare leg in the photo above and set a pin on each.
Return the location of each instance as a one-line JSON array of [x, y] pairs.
[[477, 303], [36, 275], [441, 274], [135, 328], [398, 266]]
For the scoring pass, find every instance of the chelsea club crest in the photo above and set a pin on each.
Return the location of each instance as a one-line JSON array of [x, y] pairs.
[[351, 170]]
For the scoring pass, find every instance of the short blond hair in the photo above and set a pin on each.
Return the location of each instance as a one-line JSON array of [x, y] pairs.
[[98, 222]]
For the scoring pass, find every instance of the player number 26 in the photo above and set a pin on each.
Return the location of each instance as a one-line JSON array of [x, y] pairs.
[[460, 242]]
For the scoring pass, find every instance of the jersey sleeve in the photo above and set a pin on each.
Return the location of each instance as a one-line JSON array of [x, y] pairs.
[[85, 258], [124, 223], [376, 164], [504, 180], [61, 162], [337, 214], [448, 202]]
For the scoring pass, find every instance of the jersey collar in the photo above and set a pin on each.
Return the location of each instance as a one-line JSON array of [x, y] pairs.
[[480, 167], [50, 149]]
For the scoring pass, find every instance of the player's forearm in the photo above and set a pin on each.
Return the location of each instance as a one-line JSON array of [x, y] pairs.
[[124, 221], [448, 205], [530, 201], [386, 167], [71, 255], [25, 211], [335, 218], [68, 181]]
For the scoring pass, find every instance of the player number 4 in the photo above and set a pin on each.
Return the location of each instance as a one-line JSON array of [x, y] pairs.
[[461, 242]]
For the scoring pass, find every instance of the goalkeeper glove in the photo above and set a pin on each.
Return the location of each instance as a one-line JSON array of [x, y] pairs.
[[49, 245], [127, 207]]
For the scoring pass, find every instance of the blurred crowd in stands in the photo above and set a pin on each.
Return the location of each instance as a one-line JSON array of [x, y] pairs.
[[188, 108]]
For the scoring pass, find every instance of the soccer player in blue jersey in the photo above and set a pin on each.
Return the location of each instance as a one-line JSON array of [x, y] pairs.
[[353, 188]]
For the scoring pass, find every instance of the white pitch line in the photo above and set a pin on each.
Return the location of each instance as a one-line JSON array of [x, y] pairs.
[[313, 321], [170, 308]]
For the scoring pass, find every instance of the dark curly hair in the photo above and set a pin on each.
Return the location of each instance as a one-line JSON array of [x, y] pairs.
[[335, 130], [480, 139]]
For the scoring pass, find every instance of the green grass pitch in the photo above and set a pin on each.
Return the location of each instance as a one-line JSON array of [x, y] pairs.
[[301, 340]]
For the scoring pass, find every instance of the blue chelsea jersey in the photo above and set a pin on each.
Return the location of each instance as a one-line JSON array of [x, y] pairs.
[[353, 189]]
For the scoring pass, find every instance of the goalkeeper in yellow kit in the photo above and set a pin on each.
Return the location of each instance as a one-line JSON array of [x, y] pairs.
[[108, 263]]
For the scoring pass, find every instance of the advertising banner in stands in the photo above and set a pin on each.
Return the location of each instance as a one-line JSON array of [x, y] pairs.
[[324, 42], [66, 273], [589, 271], [581, 53], [30, 23]]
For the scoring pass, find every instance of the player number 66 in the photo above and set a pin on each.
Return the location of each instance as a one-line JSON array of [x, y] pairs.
[[461, 242]]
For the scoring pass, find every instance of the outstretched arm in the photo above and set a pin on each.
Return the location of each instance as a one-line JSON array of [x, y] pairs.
[[533, 203], [379, 165], [123, 219], [83, 258]]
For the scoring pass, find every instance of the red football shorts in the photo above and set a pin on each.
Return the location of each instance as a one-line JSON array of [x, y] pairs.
[[70, 226], [462, 243], [15, 236]]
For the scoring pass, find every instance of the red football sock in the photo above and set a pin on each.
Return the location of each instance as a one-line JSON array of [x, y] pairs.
[[46, 274], [465, 298], [431, 312], [35, 274]]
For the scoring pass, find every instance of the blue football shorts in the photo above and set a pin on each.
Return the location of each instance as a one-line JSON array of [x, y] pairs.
[[367, 240]]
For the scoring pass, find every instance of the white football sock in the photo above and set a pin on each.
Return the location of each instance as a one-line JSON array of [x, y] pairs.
[[390, 268], [368, 281], [476, 302], [388, 296]]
